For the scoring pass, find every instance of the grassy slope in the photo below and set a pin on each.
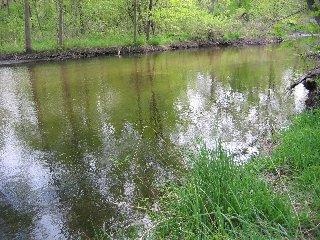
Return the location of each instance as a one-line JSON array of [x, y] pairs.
[[219, 200]]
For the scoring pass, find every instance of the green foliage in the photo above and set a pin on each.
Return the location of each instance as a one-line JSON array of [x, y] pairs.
[[220, 200], [231, 36], [158, 40], [104, 23]]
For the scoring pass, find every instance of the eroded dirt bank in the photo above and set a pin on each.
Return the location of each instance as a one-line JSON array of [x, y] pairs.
[[21, 58]]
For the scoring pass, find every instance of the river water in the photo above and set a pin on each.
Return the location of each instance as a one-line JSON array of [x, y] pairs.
[[84, 143]]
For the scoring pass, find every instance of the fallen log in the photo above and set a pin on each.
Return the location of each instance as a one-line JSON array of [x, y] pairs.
[[310, 75]]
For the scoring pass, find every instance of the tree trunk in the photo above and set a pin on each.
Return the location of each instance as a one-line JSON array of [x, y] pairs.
[[60, 24], [310, 75], [135, 24], [8, 7], [82, 25], [37, 16], [149, 21], [27, 29]]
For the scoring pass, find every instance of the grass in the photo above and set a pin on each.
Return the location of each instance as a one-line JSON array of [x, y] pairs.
[[218, 199], [296, 162]]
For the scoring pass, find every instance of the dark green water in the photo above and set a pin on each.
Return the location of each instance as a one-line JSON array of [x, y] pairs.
[[83, 143]]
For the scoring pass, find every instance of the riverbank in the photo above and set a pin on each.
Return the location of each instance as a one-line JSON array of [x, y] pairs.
[[41, 56], [275, 197], [294, 170]]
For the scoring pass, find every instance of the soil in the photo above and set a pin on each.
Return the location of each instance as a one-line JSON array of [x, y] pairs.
[[22, 58]]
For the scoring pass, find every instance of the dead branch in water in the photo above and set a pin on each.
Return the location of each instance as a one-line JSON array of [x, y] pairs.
[[311, 74]]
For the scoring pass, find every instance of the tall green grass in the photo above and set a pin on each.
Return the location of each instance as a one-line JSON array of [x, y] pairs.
[[221, 200], [297, 161]]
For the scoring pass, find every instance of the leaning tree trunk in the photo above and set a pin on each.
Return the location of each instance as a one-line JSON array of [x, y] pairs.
[[314, 73], [27, 29]]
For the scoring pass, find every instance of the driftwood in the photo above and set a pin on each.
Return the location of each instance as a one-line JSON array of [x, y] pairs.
[[310, 75]]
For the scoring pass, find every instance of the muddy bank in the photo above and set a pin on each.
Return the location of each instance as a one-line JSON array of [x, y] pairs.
[[21, 58]]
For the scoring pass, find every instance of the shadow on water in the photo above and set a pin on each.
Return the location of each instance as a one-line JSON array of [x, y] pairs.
[[87, 144]]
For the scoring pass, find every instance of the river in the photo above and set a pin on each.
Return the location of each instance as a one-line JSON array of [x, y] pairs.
[[87, 144]]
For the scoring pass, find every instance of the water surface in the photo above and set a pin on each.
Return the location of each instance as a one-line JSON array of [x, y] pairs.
[[83, 143]]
